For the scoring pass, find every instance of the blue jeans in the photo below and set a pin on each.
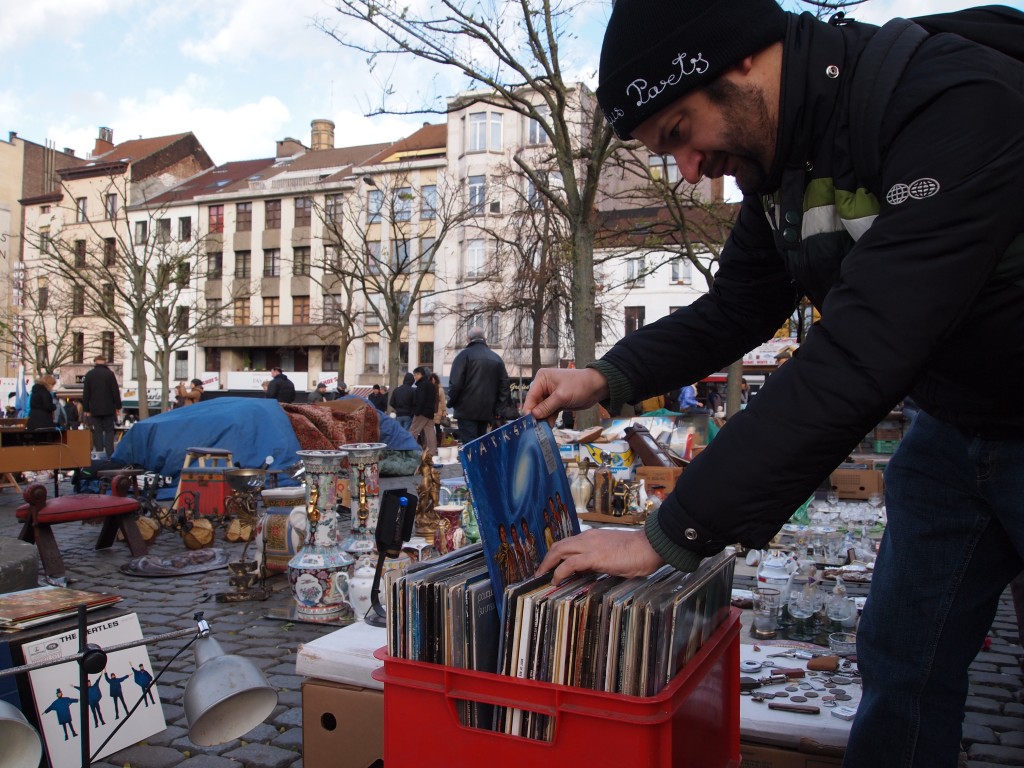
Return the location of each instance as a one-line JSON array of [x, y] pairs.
[[471, 429], [404, 422], [955, 504]]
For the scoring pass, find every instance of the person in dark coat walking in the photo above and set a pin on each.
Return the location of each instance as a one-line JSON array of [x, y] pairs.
[[478, 387], [424, 404], [378, 398], [40, 403], [101, 403], [402, 401], [318, 395], [281, 387]]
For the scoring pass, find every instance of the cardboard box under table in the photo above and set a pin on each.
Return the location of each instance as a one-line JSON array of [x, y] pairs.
[[342, 705], [692, 723]]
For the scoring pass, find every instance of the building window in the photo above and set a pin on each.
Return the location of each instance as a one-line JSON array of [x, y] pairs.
[[243, 217], [181, 320], [271, 310], [300, 264], [329, 358], [163, 230], [79, 253], [373, 257], [374, 204], [300, 310], [213, 312], [400, 258], [427, 353], [485, 131], [476, 252], [81, 210], [272, 262], [535, 133], [598, 324], [44, 240], [42, 296], [181, 365], [428, 246], [332, 308], [477, 193], [681, 271], [78, 348], [243, 265], [216, 224], [334, 211], [664, 168], [403, 204], [109, 252], [272, 213], [183, 274], [185, 229], [303, 212], [241, 311], [374, 300], [371, 353], [141, 232], [215, 265], [428, 201], [635, 272], [428, 304], [108, 298], [634, 318], [107, 346], [110, 209], [213, 358]]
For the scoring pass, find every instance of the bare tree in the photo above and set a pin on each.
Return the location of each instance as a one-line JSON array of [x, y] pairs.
[[379, 251], [510, 53], [41, 330], [138, 283]]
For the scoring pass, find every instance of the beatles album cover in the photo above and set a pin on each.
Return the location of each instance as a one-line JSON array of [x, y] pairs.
[[521, 497]]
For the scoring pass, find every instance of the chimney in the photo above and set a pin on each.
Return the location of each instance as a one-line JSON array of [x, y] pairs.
[[104, 142], [69, 151], [288, 146], [323, 134], [12, 135]]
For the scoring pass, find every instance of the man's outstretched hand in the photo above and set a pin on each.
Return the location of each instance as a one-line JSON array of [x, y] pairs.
[[556, 388], [619, 553]]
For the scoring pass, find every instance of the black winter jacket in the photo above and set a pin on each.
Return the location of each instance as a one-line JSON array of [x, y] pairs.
[[424, 398], [478, 386], [402, 397], [40, 408], [919, 280], [101, 395], [281, 389]]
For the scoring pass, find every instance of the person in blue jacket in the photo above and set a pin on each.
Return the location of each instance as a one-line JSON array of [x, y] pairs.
[[61, 706], [114, 684]]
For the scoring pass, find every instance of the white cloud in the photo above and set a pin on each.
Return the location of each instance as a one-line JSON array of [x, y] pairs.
[[57, 20]]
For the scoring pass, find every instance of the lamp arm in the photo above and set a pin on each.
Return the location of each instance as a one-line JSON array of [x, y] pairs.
[[119, 647]]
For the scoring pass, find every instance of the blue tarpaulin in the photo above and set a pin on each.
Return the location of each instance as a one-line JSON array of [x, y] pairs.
[[250, 428]]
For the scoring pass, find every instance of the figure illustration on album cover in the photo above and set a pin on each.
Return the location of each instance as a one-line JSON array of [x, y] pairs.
[[519, 487]]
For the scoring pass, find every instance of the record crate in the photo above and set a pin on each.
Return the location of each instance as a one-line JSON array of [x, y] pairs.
[[694, 722]]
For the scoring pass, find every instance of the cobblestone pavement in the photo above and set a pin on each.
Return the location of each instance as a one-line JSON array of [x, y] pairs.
[[993, 733], [168, 604]]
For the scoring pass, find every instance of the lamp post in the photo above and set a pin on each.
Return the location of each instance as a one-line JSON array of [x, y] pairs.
[[226, 697]]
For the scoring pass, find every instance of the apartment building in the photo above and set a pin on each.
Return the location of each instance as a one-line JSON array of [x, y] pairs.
[[76, 238]]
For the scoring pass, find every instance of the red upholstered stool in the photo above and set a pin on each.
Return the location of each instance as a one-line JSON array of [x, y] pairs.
[[117, 511]]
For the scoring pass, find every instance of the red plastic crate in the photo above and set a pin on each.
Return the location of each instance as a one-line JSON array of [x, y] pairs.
[[694, 722]]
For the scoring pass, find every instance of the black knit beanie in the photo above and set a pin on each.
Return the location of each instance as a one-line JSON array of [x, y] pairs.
[[658, 50]]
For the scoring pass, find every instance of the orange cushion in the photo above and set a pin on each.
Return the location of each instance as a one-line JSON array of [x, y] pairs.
[[79, 506]]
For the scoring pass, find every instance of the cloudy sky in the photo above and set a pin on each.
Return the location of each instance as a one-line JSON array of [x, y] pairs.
[[240, 75]]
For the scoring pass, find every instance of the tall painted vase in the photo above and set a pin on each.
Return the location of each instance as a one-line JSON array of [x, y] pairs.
[[364, 487], [277, 540], [320, 573]]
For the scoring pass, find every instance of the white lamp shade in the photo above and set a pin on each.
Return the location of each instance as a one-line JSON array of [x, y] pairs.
[[21, 745], [226, 697]]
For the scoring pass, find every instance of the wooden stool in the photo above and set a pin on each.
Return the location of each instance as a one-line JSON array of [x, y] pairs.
[[39, 515], [208, 457]]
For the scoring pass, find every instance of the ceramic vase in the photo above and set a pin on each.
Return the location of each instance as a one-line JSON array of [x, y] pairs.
[[364, 487], [320, 573], [582, 488]]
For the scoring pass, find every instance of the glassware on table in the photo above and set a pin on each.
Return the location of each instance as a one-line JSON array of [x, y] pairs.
[[767, 602], [803, 605]]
